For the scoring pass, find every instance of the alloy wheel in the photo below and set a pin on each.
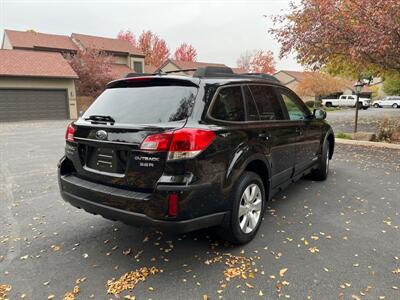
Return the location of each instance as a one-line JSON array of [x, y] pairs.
[[250, 208]]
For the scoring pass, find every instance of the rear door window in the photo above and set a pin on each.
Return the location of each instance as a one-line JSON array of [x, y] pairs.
[[145, 104], [267, 102], [228, 105]]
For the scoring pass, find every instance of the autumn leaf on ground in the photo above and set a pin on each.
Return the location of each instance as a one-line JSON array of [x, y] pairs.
[[129, 280], [282, 272], [4, 290]]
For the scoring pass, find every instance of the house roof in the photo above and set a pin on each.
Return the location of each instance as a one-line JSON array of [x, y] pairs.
[[150, 69], [106, 44], [31, 39], [34, 64], [297, 75], [119, 71]]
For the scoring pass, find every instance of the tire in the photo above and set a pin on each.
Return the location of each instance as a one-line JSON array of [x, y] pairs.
[[328, 104], [322, 172], [360, 105], [376, 105], [365, 107], [395, 105], [240, 229]]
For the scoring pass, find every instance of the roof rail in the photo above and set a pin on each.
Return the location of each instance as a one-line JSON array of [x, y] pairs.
[[228, 73], [213, 72], [262, 76], [129, 75]]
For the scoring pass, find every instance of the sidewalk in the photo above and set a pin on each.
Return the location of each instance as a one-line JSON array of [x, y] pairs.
[[370, 144]]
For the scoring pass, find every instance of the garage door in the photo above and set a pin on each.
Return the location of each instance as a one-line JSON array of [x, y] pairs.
[[19, 105]]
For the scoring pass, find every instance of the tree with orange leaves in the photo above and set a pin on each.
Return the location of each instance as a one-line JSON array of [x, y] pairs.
[[257, 61], [185, 52]]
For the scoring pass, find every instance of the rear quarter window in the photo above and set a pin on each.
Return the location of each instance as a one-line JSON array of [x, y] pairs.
[[228, 105]]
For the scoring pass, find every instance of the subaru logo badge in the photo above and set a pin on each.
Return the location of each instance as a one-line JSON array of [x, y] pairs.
[[101, 135]]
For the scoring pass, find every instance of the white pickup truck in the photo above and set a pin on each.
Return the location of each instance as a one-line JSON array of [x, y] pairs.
[[348, 101]]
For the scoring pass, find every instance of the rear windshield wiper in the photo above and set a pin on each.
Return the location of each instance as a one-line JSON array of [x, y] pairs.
[[100, 118]]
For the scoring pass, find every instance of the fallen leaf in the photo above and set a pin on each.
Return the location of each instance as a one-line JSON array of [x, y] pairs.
[[282, 272]]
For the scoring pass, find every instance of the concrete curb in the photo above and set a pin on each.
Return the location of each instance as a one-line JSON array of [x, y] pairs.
[[369, 144]]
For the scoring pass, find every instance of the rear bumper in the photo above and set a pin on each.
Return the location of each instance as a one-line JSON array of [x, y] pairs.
[[142, 220], [136, 208]]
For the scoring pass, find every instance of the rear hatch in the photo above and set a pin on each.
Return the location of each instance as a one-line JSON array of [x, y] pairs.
[[111, 131]]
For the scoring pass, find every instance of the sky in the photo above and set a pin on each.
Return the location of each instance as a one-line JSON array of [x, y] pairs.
[[220, 30]]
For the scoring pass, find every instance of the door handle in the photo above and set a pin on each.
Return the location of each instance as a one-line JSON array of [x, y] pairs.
[[299, 131], [264, 135]]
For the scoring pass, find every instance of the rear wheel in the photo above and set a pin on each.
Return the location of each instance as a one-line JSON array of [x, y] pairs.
[[247, 209], [328, 104], [323, 169], [395, 105], [376, 105]]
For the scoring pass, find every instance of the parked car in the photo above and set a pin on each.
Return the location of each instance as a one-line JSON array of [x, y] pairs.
[[347, 101], [389, 101], [183, 153]]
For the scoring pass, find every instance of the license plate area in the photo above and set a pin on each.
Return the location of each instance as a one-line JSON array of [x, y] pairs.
[[104, 159]]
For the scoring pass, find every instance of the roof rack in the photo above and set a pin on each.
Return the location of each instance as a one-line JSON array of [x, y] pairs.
[[228, 72]]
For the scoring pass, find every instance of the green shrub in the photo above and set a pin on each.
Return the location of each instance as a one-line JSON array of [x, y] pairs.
[[386, 128], [312, 104], [343, 135]]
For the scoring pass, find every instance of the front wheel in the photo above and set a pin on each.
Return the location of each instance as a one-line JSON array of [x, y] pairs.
[[376, 105], [247, 209], [395, 105], [322, 172]]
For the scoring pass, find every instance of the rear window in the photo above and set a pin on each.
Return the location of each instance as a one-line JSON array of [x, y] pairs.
[[145, 104]]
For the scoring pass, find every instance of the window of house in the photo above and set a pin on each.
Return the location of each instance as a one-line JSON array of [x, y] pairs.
[[138, 66], [228, 105], [267, 102]]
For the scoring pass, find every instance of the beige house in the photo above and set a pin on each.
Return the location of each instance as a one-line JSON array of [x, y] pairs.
[[292, 79], [36, 85], [31, 80]]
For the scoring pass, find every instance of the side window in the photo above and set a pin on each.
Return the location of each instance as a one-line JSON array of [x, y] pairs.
[[350, 98], [251, 109], [295, 110], [267, 102], [228, 105]]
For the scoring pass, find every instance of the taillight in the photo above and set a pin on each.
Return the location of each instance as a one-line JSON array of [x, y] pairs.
[[70, 133], [180, 144], [157, 142], [188, 142]]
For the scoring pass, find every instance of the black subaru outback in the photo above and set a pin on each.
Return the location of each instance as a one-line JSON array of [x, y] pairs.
[[183, 153]]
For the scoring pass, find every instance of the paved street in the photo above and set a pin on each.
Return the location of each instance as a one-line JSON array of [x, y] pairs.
[[337, 239], [343, 120]]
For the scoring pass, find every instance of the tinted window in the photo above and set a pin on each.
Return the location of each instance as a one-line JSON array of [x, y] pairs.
[[295, 110], [267, 103], [145, 105], [252, 112], [228, 105], [351, 98]]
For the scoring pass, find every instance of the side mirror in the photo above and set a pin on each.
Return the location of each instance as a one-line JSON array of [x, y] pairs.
[[319, 114]]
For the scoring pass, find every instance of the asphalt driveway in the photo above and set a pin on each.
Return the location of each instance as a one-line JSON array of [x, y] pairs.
[[319, 240], [343, 120]]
